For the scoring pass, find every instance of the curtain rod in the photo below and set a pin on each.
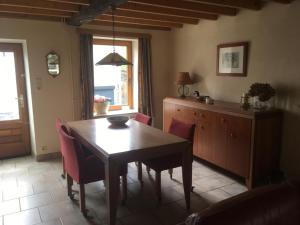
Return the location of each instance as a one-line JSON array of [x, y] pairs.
[[108, 33]]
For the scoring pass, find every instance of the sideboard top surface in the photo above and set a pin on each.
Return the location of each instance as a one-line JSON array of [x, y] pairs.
[[229, 108]]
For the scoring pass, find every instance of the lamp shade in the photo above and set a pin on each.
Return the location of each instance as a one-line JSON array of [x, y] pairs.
[[113, 59], [183, 78]]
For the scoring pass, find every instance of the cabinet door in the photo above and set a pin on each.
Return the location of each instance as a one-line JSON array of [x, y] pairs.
[[205, 140], [239, 146], [220, 142], [185, 114], [169, 110]]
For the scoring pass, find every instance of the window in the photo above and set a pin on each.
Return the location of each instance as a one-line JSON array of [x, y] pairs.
[[113, 82]]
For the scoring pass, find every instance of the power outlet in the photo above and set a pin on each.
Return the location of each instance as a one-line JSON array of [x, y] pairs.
[[44, 148]]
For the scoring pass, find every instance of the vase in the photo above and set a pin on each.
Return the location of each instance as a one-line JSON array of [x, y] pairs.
[[262, 105], [101, 108]]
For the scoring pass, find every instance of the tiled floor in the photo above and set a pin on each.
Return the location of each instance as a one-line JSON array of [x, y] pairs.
[[34, 193]]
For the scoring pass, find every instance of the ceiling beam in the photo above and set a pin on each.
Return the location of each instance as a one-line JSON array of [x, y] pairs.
[[154, 17], [245, 4], [165, 11], [75, 2], [137, 26], [37, 12], [283, 1], [119, 19], [30, 17], [41, 4], [190, 6]]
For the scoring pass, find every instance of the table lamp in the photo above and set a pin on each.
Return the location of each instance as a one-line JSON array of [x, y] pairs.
[[183, 79]]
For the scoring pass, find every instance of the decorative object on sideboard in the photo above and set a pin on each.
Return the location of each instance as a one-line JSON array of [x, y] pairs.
[[101, 105], [196, 95], [262, 94], [53, 64], [183, 79], [232, 59], [245, 101], [209, 100]]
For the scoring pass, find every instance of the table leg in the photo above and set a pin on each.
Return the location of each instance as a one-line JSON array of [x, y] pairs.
[[187, 160], [112, 190]]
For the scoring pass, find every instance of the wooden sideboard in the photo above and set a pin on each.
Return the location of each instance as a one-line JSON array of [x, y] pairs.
[[244, 142]]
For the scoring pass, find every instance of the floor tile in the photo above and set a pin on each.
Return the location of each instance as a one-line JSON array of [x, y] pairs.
[[79, 219], [139, 219], [34, 201], [28, 217], [208, 183], [11, 206], [234, 189], [171, 214], [56, 210], [215, 196], [51, 222], [17, 192]]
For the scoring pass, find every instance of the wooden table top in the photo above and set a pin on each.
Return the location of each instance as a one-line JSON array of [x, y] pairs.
[[111, 141]]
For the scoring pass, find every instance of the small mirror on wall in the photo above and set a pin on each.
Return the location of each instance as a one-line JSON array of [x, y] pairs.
[[53, 64]]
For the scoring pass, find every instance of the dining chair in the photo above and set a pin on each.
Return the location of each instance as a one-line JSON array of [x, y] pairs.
[[58, 124], [83, 169], [142, 118], [180, 129]]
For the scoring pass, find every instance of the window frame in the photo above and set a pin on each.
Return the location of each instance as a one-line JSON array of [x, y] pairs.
[[128, 45]]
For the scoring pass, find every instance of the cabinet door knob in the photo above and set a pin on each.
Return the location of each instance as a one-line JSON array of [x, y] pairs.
[[202, 127], [178, 110], [195, 113]]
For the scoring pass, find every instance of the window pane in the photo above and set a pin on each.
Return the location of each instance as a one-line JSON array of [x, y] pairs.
[[9, 107], [111, 81]]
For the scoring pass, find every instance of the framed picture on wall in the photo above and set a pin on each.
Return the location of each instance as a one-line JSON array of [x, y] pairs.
[[232, 59]]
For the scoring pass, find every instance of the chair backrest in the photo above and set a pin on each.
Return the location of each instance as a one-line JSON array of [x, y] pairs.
[[73, 154], [181, 129], [140, 117]]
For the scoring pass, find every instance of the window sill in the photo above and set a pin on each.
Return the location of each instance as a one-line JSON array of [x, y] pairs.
[[127, 112]]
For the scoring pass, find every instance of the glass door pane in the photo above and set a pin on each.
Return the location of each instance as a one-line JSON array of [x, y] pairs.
[[9, 106]]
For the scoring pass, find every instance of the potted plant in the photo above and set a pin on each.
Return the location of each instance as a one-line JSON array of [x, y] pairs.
[[101, 104], [261, 93]]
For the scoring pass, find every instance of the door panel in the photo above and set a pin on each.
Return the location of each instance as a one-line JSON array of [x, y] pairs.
[[239, 145], [205, 140], [14, 126]]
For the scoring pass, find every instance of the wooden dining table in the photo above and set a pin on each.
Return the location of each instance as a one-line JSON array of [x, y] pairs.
[[133, 142]]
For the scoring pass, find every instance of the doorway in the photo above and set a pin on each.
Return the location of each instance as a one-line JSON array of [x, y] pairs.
[[14, 123]]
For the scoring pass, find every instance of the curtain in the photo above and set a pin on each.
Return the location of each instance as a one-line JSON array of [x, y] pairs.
[[86, 76], [144, 74]]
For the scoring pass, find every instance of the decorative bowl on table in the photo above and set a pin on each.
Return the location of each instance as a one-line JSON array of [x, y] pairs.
[[118, 120]]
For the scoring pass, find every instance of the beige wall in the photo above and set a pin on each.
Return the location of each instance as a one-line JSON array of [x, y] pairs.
[[274, 34], [60, 97]]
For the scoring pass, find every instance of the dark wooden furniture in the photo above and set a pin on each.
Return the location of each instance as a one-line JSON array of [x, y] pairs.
[[244, 142], [135, 142]]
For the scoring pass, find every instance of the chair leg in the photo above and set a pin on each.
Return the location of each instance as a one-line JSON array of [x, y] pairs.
[[158, 186], [171, 173], [124, 189], [63, 175], [82, 199], [69, 186], [140, 172], [148, 169]]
